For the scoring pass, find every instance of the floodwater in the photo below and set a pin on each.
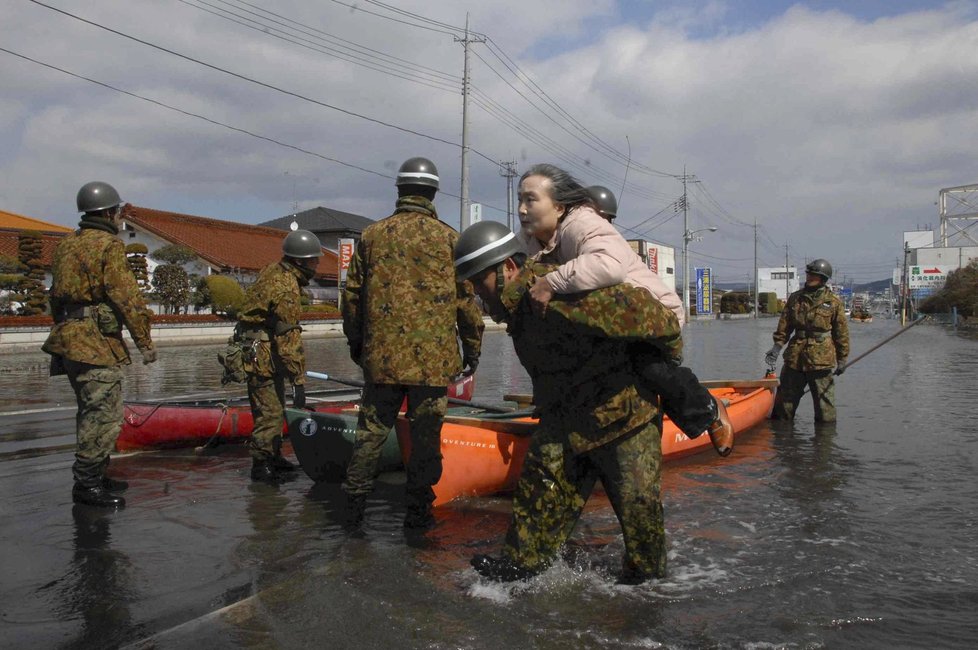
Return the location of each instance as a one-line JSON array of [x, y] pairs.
[[860, 534]]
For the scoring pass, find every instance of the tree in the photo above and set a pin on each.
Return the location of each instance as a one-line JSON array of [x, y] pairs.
[[11, 284], [170, 280], [172, 286], [768, 302], [226, 294], [29, 250], [960, 290], [136, 257], [173, 254], [735, 302]]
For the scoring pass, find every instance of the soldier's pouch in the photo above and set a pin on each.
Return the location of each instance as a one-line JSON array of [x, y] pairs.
[[617, 409], [106, 319], [57, 366], [232, 357]]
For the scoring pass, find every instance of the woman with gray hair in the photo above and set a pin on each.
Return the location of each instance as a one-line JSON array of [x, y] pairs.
[[561, 225]]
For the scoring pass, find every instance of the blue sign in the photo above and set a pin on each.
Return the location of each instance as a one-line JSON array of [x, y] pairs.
[[704, 291]]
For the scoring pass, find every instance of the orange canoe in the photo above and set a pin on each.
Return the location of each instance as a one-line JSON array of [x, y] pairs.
[[484, 456]]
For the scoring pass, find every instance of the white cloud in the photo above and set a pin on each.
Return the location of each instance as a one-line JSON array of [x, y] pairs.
[[809, 122]]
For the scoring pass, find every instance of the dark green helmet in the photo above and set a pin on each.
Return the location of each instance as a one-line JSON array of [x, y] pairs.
[[605, 200], [483, 245], [96, 196], [820, 267], [302, 243], [417, 171]]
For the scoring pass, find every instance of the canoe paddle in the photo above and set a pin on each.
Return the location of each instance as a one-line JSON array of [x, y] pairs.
[[492, 408], [889, 338], [884, 342]]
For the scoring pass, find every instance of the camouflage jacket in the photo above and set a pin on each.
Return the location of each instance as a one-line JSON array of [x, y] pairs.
[[403, 309], [270, 316], [90, 270], [819, 332], [578, 355]]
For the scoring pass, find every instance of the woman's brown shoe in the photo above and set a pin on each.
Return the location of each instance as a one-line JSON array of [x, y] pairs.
[[721, 431]]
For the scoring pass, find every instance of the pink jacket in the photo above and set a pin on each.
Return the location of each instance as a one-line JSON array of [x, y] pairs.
[[593, 255]]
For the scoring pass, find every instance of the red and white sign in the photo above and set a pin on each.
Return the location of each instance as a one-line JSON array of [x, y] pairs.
[[346, 256], [929, 277], [653, 259]]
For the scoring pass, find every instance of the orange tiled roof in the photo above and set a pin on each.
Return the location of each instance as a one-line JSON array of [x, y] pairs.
[[223, 244], [9, 242], [11, 221]]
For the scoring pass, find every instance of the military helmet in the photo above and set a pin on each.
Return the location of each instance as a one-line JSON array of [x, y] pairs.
[[96, 196], [483, 245], [820, 267], [302, 243], [417, 171], [605, 200]]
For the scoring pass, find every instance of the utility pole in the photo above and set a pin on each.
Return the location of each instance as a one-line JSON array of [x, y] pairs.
[[787, 287], [685, 248], [464, 207], [756, 278], [508, 170], [904, 285]]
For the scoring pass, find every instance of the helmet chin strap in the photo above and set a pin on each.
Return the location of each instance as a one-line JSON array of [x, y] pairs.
[[500, 278]]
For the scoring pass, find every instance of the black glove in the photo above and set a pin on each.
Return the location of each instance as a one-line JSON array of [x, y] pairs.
[[841, 368], [299, 396], [356, 350], [469, 364], [771, 358]]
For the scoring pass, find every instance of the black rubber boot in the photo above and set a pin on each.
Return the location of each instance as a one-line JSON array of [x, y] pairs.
[[264, 471], [114, 485], [500, 569], [96, 496], [283, 464], [419, 518], [356, 504], [279, 461]]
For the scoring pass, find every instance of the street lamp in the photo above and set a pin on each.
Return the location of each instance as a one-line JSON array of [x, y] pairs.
[[688, 236]]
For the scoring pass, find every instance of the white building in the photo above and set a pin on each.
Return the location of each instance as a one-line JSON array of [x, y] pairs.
[[780, 280], [660, 259]]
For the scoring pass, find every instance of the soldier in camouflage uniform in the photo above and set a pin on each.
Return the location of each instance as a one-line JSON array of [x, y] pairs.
[[93, 294], [598, 419], [814, 319], [269, 330], [403, 314]]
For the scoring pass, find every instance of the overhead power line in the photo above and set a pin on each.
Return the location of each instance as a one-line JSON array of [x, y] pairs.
[[219, 123], [423, 22], [258, 82]]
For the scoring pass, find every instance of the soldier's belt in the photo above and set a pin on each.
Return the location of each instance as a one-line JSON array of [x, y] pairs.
[[818, 336], [79, 312]]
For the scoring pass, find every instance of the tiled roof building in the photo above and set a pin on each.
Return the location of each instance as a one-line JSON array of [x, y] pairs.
[[224, 246], [327, 224], [11, 225]]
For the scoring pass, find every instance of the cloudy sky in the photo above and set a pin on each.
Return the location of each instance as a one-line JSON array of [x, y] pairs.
[[833, 124]]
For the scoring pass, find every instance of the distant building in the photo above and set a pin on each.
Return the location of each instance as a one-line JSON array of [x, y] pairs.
[[327, 224], [928, 265], [780, 280], [660, 258], [222, 247], [11, 225]]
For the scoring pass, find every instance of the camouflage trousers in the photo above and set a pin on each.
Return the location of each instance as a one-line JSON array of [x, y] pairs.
[[555, 484], [792, 388], [98, 392], [426, 407], [267, 398]]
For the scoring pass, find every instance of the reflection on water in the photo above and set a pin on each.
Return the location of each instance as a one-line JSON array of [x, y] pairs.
[[858, 534], [98, 586]]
